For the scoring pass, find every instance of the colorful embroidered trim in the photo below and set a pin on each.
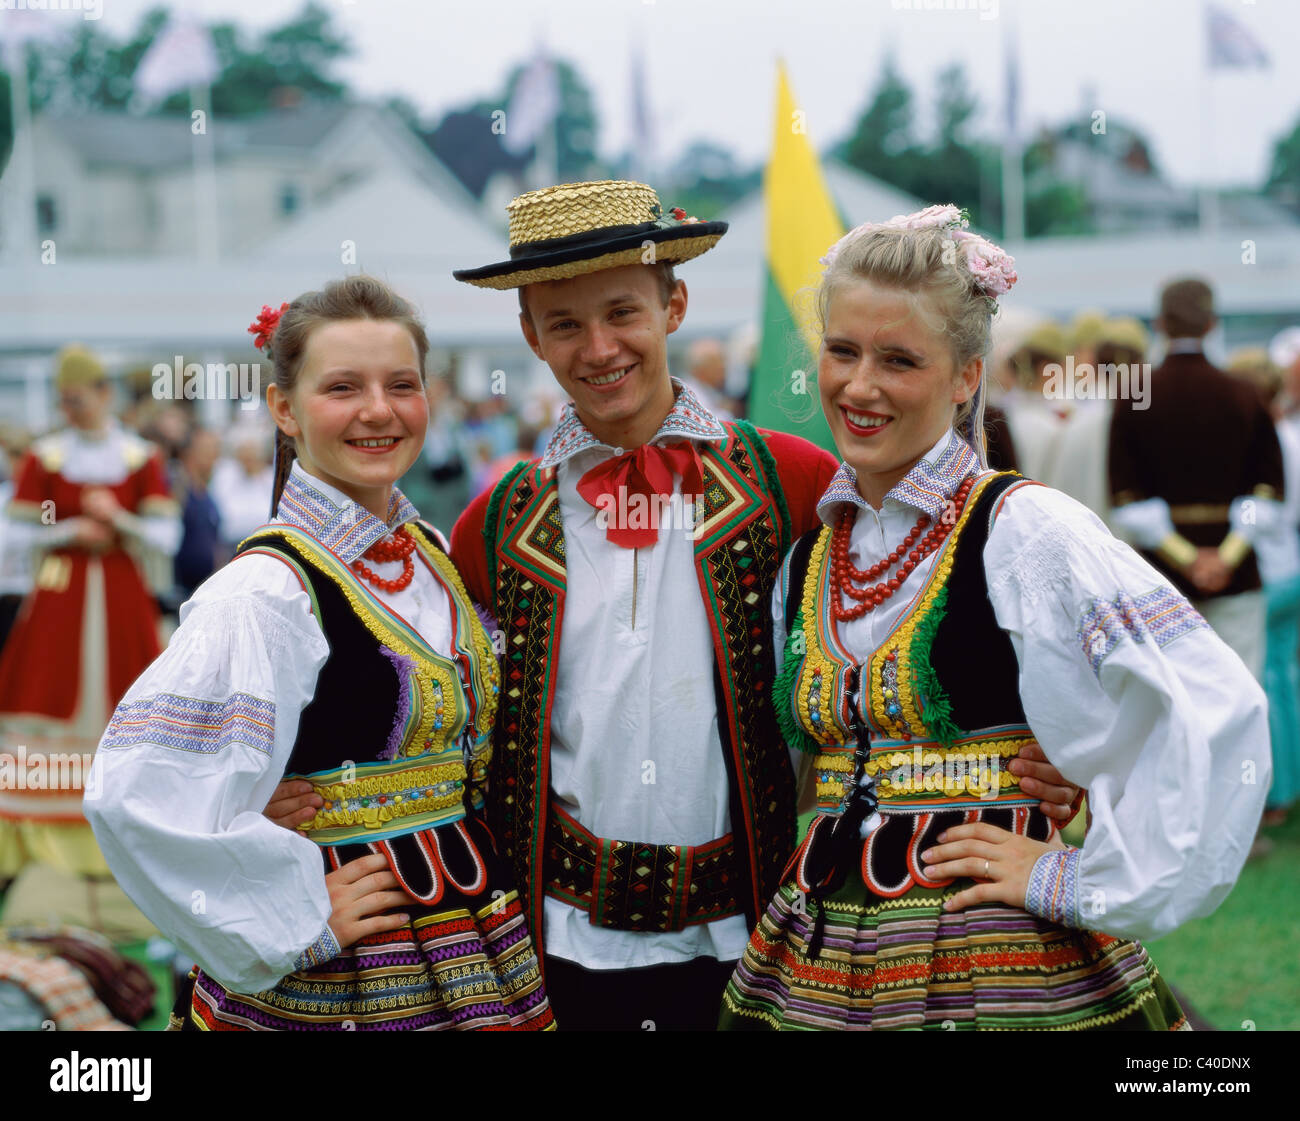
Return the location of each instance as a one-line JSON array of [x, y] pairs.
[[627, 885], [689, 420], [904, 963], [1053, 891], [819, 683], [1162, 613], [738, 555], [928, 486], [347, 530], [899, 664], [325, 948], [971, 773], [193, 724], [440, 708], [386, 800]]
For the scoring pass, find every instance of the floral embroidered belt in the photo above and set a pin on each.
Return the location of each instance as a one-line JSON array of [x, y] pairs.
[[920, 776], [626, 885], [373, 801]]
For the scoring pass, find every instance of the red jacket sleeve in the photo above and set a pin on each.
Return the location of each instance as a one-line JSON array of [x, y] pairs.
[[31, 481], [806, 471], [469, 551]]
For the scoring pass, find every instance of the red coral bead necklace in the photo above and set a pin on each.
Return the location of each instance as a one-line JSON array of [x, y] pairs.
[[915, 547], [397, 547]]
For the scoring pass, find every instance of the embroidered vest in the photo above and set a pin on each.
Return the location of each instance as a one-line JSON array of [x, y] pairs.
[[392, 739], [940, 697], [741, 536]]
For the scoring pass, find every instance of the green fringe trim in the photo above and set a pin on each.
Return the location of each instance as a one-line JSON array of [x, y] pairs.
[[764, 453], [783, 689], [937, 714], [491, 518]]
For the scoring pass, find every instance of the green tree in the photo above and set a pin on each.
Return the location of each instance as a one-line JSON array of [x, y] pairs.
[[297, 56], [576, 126], [706, 179], [1284, 171], [883, 133]]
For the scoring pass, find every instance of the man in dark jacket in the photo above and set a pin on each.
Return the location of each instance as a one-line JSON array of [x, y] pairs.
[[1188, 474]]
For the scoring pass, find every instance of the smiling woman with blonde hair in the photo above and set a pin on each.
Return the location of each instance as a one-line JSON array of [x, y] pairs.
[[943, 626]]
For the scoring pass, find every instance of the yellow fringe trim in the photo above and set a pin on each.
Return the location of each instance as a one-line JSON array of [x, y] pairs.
[[816, 658]]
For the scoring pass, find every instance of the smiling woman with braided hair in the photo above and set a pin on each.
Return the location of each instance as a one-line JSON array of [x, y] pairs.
[[339, 647]]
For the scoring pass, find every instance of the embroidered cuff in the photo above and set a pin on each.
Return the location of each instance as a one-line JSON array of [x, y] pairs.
[[1053, 891], [322, 950]]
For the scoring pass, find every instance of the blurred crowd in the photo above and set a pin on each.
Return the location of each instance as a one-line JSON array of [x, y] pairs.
[[1195, 465]]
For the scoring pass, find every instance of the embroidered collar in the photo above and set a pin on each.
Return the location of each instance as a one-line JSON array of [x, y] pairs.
[[333, 518], [928, 486], [688, 420]]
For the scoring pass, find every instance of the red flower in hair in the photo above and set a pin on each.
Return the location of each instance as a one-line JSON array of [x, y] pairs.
[[678, 213], [263, 327]]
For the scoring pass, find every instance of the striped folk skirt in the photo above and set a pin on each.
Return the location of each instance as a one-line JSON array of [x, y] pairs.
[[900, 961], [464, 962]]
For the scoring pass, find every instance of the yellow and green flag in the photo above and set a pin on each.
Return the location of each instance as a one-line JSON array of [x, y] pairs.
[[802, 223]]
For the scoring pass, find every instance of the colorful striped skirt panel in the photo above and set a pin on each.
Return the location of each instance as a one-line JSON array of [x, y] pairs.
[[890, 957], [465, 961]]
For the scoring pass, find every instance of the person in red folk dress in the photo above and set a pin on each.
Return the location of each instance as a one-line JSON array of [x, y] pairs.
[[91, 504]]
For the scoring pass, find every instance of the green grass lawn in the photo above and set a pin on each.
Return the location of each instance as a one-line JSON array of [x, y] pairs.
[[161, 978], [1242, 963]]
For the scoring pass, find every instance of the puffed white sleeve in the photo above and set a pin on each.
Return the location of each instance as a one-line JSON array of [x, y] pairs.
[[188, 763], [1132, 696]]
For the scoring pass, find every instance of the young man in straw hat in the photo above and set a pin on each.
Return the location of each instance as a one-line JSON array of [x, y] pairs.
[[639, 783]]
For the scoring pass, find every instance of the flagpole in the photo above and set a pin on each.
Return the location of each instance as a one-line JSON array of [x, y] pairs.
[[1013, 169], [21, 235], [1207, 208], [205, 176]]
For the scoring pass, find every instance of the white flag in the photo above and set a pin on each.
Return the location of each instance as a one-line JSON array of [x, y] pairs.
[[180, 58], [535, 105], [1231, 43]]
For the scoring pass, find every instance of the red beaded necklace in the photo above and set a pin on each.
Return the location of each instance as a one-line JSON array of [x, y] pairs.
[[397, 547], [845, 577]]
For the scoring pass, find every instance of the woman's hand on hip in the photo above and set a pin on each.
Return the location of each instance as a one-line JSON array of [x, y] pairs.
[[293, 803], [1039, 779], [360, 892], [999, 860]]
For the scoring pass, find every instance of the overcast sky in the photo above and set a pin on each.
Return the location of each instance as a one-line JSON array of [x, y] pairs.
[[711, 63]]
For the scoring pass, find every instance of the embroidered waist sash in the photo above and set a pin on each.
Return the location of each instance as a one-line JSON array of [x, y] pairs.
[[919, 776], [376, 801], [626, 885]]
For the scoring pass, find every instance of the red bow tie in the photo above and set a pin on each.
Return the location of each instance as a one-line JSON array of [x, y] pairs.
[[648, 471]]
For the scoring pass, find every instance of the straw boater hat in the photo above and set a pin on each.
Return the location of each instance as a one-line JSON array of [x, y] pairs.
[[77, 366], [576, 228]]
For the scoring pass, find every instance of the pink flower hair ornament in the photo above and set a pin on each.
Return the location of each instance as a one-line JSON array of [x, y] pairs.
[[993, 268]]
